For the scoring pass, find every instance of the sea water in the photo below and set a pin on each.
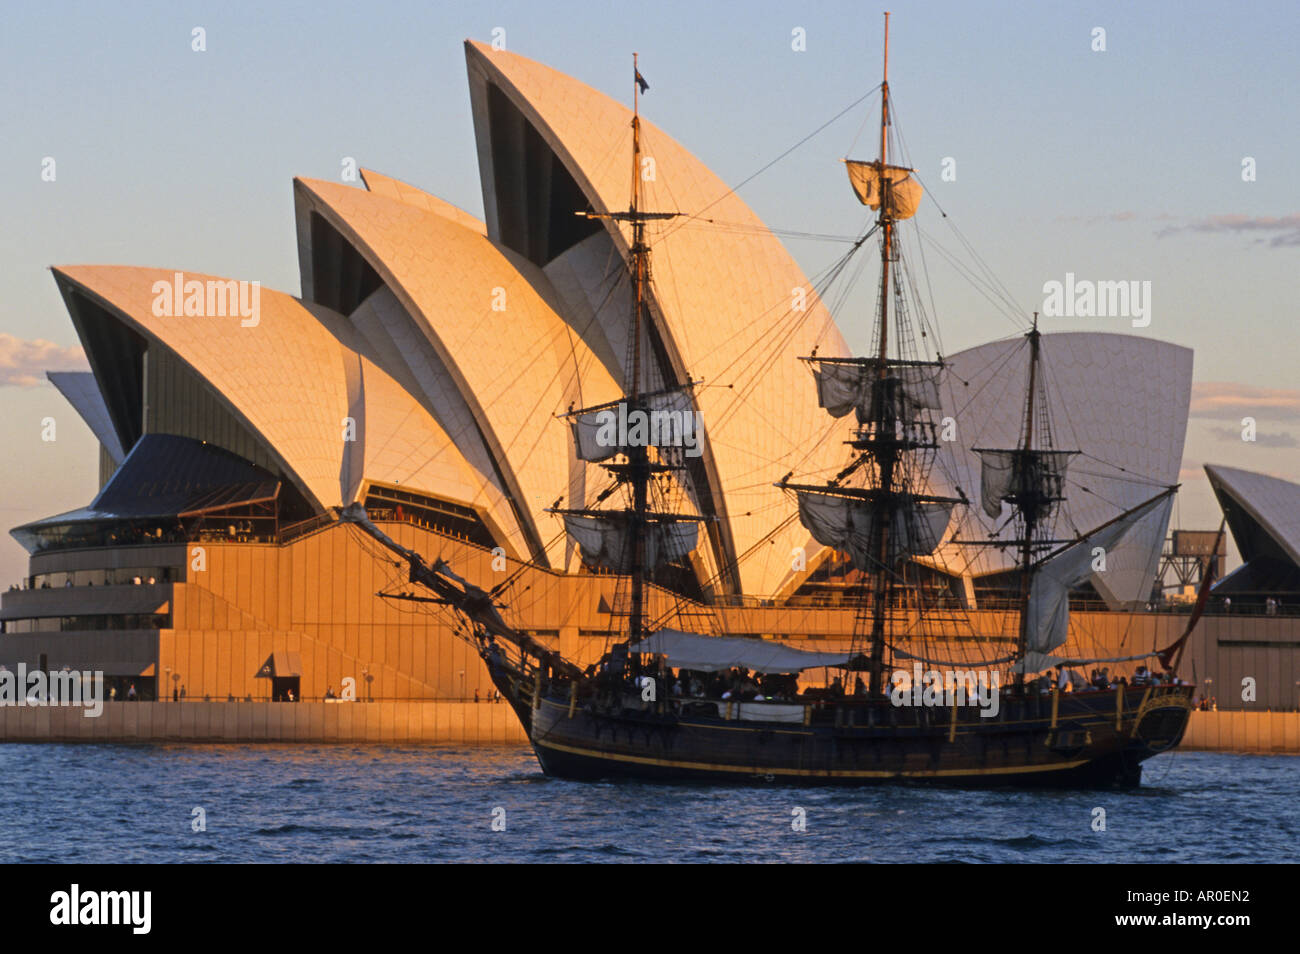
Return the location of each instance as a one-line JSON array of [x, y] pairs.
[[271, 803]]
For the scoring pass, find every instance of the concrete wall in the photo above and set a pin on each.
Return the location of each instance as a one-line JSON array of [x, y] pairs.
[[1244, 732], [374, 722], [1227, 650]]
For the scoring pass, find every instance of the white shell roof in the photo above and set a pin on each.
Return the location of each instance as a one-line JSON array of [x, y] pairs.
[[1120, 399], [84, 395], [379, 184], [724, 295], [291, 382], [515, 367], [1273, 503]]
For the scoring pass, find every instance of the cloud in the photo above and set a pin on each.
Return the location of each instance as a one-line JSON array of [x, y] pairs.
[[1262, 438], [23, 363], [1097, 219], [1285, 229], [1228, 401]]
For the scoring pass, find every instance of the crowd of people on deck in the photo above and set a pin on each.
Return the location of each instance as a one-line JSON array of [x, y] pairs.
[[737, 683], [623, 671], [728, 684], [1101, 680], [740, 684]]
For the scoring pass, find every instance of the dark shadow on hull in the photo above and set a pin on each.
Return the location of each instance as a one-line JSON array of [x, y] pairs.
[[1122, 771]]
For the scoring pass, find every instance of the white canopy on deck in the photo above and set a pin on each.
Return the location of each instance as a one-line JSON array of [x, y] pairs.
[[713, 653]]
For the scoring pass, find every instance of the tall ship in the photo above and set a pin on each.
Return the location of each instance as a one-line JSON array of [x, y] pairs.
[[919, 694]]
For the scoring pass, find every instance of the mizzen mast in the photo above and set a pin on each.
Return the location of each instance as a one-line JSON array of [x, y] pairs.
[[1031, 478]]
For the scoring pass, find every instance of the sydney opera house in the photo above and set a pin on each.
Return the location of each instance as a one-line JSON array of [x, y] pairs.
[[422, 370]]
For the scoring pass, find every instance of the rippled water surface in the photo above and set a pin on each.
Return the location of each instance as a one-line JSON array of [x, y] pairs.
[[100, 803]]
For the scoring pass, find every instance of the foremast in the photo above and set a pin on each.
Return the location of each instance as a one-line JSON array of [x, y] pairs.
[[633, 540], [890, 518]]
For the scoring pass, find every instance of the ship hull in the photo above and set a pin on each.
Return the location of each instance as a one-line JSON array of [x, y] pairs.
[[1073, 740]]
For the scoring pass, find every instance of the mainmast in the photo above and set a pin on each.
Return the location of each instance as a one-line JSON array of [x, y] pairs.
[[886, 217], [885, 449], [891, 518]]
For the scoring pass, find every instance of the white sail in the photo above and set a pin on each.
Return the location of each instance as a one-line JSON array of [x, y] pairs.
[[1048, 625], [839, 386], [846, 524], [997, 470], [665, 420], [604, 540], [844, 387], [868, 180], [998, 475]]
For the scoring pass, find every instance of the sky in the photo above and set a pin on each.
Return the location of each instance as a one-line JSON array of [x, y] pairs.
[[1131, 162]]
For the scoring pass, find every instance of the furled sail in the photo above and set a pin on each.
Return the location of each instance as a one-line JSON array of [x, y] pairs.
[[844, 386], [1048, 624], [846, 524], [1039, 473], [869, 181], [604, 541], [663, 420]]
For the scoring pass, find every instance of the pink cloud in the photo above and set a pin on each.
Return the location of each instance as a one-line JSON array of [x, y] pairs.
[[23, 362], [1229, 401], [1286, 228]]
